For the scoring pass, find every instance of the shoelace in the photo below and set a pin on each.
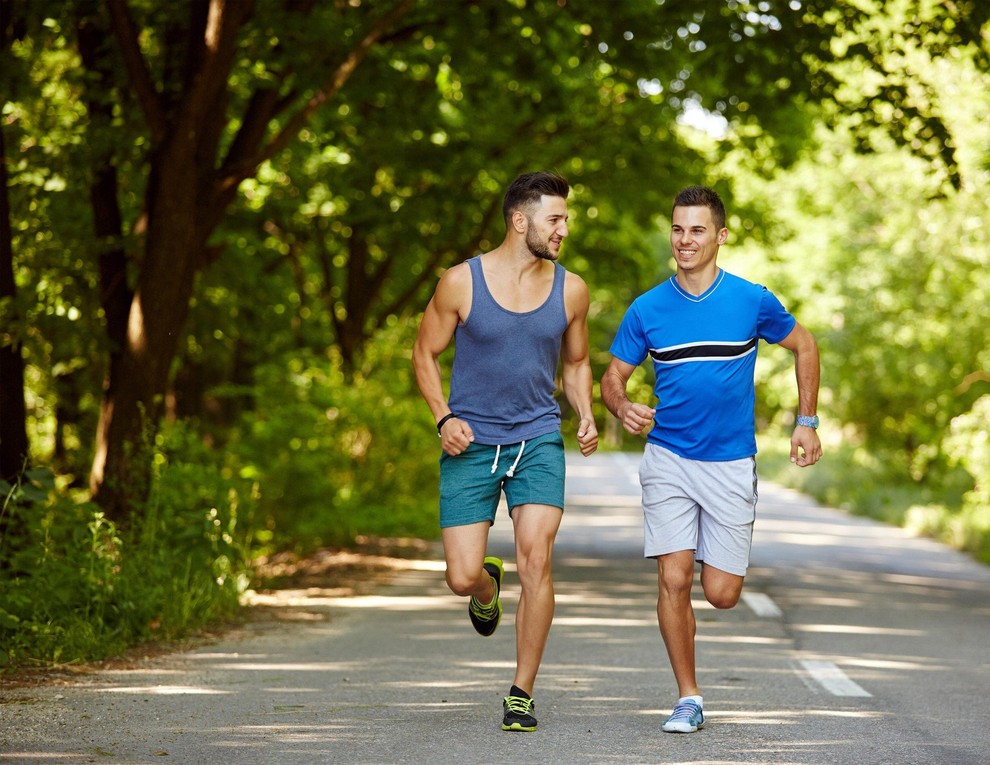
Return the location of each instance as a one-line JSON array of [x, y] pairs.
[[484, 611], [684, 711], [518, 704]]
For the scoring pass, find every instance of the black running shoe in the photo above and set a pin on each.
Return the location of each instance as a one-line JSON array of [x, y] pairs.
[[486, 618], [518, 713]]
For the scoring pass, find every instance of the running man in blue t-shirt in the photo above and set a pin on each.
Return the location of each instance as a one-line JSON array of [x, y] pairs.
[[701, 328]]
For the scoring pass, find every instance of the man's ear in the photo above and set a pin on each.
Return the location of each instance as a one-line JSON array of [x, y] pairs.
[[519, 221], [723, 235]]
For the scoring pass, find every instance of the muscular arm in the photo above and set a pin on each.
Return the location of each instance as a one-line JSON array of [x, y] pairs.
[[806, 448], [575, 375], [435, 333], [634, 417]]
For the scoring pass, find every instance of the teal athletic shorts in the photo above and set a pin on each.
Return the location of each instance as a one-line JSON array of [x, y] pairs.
[[470, 489]]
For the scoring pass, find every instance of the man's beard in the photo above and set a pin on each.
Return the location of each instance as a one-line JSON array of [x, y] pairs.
[[537, 248]]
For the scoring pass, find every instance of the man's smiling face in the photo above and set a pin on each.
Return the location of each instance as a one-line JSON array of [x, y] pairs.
[[694, 240]]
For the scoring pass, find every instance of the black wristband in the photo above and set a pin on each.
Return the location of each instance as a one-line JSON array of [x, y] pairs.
[[442, 421]]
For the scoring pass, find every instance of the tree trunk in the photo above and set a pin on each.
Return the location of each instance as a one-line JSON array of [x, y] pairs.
[[13, 415], [188, 191], [133, 397]]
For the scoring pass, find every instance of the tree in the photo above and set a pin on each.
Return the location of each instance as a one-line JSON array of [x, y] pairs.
[[199, 151], [13, 427], [868, 66], [437, 106], [403, 179]]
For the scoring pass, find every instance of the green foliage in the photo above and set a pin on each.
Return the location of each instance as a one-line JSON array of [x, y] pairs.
[[968, 445], [864, 482], [58, 589], [889, 269], [296, 422], [877, 65], [856, 479], [76, 588], [337, 457]]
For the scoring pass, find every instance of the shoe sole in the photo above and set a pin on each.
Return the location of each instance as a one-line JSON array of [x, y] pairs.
[[518, 727], [693, 729]]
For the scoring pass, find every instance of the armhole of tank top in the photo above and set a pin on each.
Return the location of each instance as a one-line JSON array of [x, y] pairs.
[[562, 275], [470, 291]]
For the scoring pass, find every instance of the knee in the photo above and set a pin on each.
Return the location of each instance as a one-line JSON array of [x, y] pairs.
[[460, 583], [676, 583], [533, 567], [722, 589], [722, 599], [675, 592], [723, 594], [675, 573], [536, 560]]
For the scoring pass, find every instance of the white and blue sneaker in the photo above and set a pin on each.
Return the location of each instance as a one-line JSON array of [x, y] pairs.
[[687, 718]]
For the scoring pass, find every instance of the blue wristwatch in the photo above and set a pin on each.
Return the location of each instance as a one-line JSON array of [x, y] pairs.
[[808, 422]]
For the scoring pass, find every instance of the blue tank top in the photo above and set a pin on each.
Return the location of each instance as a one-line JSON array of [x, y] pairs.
[[505, 364]]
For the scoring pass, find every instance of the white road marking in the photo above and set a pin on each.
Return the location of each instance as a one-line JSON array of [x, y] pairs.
[[833, 679], [761, 604]]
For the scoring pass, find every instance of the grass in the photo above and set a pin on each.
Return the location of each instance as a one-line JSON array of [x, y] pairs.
[[851, 479]]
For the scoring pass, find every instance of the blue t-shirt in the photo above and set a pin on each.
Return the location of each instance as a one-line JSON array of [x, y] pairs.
[[704, 356]]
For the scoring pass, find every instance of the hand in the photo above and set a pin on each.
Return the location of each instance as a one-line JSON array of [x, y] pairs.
[[636, 418], [456, 436], [806, 448], [587, 436]]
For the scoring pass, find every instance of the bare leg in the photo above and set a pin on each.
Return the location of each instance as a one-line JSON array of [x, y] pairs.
[[535, 529], [676, 617], [464, 550], [722, 589]]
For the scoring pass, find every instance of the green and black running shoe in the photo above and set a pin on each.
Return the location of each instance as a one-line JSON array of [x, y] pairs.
[[486, 618], [518, 713]]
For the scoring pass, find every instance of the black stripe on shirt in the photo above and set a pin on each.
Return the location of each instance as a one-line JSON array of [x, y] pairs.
[[701, 351]]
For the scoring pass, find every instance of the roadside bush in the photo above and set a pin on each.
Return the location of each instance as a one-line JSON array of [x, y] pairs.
[[340, 456], [868, 483], [968, 445], [59, 567], [74, 587]]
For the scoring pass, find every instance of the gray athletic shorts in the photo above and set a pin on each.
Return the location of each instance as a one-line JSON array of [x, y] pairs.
[[708, 507]]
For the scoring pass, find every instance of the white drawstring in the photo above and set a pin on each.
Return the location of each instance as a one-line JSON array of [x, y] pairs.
[[512, 470], [518, 457]]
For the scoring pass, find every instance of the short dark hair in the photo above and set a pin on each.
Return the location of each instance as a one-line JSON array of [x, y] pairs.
[[529, 188], [702, 196]]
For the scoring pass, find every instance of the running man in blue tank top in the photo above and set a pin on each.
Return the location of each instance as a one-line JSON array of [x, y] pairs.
[[701, 329], [512, 314]]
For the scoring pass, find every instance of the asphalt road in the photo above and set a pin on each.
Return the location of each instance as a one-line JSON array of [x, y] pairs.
[[855, 643]]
